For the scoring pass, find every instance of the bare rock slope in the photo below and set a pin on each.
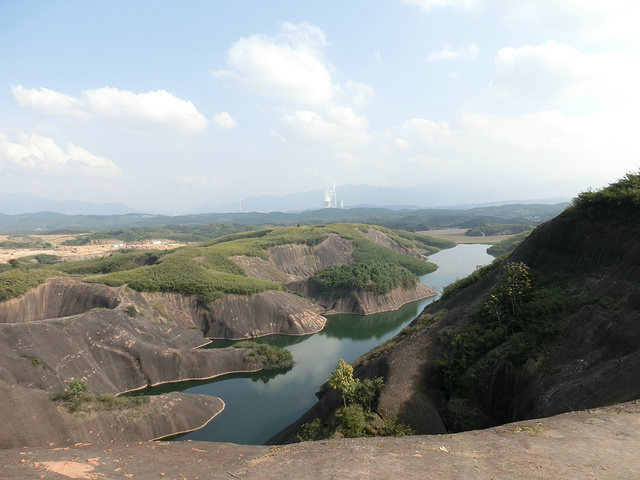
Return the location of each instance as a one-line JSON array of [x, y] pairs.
[[592, 444], [112, 352]]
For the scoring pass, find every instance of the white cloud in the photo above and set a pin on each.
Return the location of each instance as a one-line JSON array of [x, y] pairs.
[[48, 101], [152, 109], [289, 66], [546, 144], [429, 6], [360, 93], [467, 50], [401, 143], [422, 131], [590, 18], [224, 120], [36, 154], [555, 75], [339, 128], [594, 18]]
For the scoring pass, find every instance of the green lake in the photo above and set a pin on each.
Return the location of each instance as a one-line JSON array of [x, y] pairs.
[[260, 405]]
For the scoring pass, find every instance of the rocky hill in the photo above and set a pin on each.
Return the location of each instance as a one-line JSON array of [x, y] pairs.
[[553, 328], [136, 319]]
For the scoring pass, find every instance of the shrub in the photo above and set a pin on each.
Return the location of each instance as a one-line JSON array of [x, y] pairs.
[[270, 356], [76, 387], [379, 278], [309, 431], [353, 421]]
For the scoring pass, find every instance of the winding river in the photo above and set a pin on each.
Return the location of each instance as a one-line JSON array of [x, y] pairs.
[[259, 405]]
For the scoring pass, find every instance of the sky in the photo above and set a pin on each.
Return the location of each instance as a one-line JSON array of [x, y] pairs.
[[170, 105]]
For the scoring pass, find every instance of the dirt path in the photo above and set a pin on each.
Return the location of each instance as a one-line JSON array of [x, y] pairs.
[[598, 444]]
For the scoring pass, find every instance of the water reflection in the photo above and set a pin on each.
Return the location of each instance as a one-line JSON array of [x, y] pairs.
[[359, 327], [259, 405]]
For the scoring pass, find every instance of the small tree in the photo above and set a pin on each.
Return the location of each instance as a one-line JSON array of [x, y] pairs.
[[76, 387], [342, 379]]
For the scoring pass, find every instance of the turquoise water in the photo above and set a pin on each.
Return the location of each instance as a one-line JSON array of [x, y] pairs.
[[260, 405]]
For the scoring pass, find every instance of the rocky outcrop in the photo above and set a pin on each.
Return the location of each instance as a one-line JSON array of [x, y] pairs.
[[385, 240], [600, 443], [58, 297], [294, 264], [362, 302], [113, 351], [299, 261], [267, 313], [38, 421]]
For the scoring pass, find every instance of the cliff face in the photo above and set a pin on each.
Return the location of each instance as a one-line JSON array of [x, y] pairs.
[[59, 297], [594, 361], [293, 265], [589, 356], [267, 313], [362, 302], [112, 352]]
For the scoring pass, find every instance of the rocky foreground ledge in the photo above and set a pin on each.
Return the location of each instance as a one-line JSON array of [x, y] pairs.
[[601, 443]]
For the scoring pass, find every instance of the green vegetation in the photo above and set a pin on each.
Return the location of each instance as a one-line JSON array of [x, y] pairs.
[[379, 279], [77, 398], [355, 418], [508, 245], [115, 262], [33, 261], [182, 226], [18, 281], [368, 252], [619, 202], [209, 272], [270, 356], [76, 388], [176, 233], [131, 311], [520, 320]]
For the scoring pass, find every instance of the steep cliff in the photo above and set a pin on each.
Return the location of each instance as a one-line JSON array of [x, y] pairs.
[[571, 342], [553, 328], [112, 350]]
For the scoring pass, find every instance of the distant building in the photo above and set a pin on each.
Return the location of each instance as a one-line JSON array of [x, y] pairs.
[[330, 198]]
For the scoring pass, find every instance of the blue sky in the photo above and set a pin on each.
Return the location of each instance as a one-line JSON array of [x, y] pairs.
[[167, 105]]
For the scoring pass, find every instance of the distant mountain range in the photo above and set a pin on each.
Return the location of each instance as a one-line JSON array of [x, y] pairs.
[[397, 198], [441, 195], [16, 204]]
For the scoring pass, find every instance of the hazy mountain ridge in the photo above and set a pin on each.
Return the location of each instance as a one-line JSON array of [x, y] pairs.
[[424, 219], [16, 204]]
